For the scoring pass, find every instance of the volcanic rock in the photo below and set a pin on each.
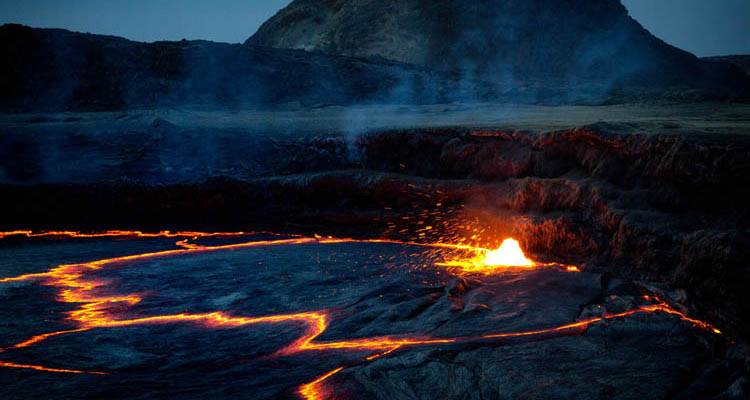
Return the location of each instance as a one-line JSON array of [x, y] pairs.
[[53, 70], [531, 44]]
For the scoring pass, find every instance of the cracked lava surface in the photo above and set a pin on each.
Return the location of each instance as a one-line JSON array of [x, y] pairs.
[[109, 294]]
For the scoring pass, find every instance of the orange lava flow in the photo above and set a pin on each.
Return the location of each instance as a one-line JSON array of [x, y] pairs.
[[390, 344], [315, 390], [39, 338], [121, 233], [40, 368], [98, 309]]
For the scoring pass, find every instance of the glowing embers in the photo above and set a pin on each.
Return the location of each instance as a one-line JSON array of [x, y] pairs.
[[508, 255]]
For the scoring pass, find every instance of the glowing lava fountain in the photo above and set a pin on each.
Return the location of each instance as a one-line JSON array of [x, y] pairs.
[[508, 255]]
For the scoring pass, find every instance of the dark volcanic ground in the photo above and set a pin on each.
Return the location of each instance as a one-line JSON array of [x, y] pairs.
[[369, 290], [647, 199]]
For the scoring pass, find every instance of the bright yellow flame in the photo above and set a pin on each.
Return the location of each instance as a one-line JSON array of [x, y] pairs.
[[508, 255]]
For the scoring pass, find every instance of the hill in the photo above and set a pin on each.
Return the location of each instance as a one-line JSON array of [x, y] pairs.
[[529, 43]]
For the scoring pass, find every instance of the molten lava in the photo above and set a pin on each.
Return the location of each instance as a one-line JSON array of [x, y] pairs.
[[487, 262], [97, 309], [509, 254]]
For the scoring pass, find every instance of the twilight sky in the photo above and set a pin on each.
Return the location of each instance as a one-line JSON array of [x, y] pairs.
[[703, 27]]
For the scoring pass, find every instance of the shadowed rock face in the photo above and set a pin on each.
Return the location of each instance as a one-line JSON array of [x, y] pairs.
[[571, 42]]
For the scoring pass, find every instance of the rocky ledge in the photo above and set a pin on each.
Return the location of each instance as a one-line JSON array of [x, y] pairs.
[[664, 208]]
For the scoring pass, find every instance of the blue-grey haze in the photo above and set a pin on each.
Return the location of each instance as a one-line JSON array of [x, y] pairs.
[[703, 27]]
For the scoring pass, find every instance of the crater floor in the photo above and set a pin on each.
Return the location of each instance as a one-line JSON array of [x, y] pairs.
[[269, 316]]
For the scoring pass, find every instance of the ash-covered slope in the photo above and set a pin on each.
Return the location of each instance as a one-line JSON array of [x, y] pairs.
[[521, 43]]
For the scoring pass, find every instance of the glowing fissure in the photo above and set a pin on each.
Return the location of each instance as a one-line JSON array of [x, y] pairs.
[[94, 310], [315, 390], [41, 368]]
